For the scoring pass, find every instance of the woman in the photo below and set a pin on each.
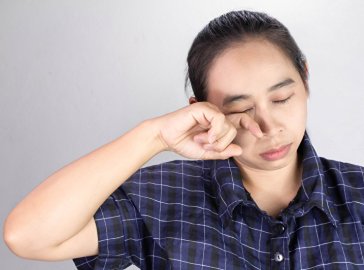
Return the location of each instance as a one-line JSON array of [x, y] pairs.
[[254, 196]]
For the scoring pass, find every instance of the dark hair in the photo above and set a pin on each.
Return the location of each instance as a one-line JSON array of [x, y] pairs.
[[229, 29]]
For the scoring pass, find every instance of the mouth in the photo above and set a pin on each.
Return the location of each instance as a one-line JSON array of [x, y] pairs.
[[276, 153]]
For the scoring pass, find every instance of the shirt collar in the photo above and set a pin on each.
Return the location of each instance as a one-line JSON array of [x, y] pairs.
[[314, 190], [230, 192], [228, 187]]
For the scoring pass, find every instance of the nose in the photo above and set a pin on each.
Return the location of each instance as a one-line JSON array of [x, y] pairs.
[[268, 123]]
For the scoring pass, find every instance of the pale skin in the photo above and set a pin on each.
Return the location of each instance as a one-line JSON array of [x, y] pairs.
[[55, 221]]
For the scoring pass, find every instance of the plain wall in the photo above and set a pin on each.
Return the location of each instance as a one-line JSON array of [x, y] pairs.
[[75, 75]]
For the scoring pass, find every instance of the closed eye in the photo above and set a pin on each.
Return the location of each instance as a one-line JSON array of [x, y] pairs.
[[245, 111], [282, 101]]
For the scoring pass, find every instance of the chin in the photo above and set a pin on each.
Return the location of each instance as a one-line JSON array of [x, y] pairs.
[[273, 165]]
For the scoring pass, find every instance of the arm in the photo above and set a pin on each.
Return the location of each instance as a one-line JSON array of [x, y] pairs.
[[50, 219], [55, 221]]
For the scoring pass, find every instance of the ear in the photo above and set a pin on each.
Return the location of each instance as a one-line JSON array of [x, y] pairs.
[[192, 100]]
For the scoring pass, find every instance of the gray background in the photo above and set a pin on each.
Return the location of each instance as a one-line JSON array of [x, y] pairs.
[[74, 75]]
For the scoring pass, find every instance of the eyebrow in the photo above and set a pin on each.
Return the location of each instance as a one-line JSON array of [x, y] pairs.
[[232, 98]]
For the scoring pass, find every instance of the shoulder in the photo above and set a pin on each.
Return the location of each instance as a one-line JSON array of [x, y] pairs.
[[342, 171], [345, 182]]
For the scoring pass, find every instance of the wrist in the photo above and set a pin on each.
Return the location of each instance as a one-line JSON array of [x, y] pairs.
[[152, 129]]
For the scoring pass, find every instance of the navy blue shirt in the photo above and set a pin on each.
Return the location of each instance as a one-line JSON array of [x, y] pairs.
[[187, 214]]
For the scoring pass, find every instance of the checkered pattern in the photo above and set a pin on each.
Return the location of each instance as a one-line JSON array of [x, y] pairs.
[[187, 214]]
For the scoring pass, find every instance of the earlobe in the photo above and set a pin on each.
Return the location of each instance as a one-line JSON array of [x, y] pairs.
[[192, 100]]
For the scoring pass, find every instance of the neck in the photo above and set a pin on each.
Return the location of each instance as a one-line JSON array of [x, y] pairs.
[[273, 190]]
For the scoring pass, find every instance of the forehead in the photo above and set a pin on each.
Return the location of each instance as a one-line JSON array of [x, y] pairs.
[[248, 68]]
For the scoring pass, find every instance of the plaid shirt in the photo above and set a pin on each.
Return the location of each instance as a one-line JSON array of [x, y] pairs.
[[188, 214]]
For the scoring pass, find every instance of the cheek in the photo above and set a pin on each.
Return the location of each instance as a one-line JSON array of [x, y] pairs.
[[294, 118], [298, 115], [292, 115]]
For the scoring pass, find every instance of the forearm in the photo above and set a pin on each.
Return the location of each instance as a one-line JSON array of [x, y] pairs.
[[65, 202], [53, 217]]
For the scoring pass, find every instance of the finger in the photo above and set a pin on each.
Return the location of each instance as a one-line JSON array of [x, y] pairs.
[[219, 127], [254, 128], [242, 120], [230, 151], [223, 142], [212, 117], [203, 114], [201, 138]]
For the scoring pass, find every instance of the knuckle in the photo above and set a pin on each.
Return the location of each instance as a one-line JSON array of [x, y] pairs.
[[205, 104], [211, 105], [198, 105]]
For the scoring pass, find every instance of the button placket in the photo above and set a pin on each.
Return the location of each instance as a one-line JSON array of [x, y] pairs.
[[278, 245]]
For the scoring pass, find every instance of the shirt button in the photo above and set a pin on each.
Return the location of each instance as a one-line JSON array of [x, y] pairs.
[[279, 229], [278, 257]]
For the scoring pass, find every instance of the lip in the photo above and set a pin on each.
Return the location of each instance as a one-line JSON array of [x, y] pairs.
[[277, 153]]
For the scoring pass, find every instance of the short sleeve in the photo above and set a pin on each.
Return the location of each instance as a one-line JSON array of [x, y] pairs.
[[111, 237]]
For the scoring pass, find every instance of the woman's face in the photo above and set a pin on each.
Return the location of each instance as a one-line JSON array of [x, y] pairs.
[[258, 79]]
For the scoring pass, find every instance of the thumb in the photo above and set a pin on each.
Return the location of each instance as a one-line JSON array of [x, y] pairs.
[[230, 151]]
